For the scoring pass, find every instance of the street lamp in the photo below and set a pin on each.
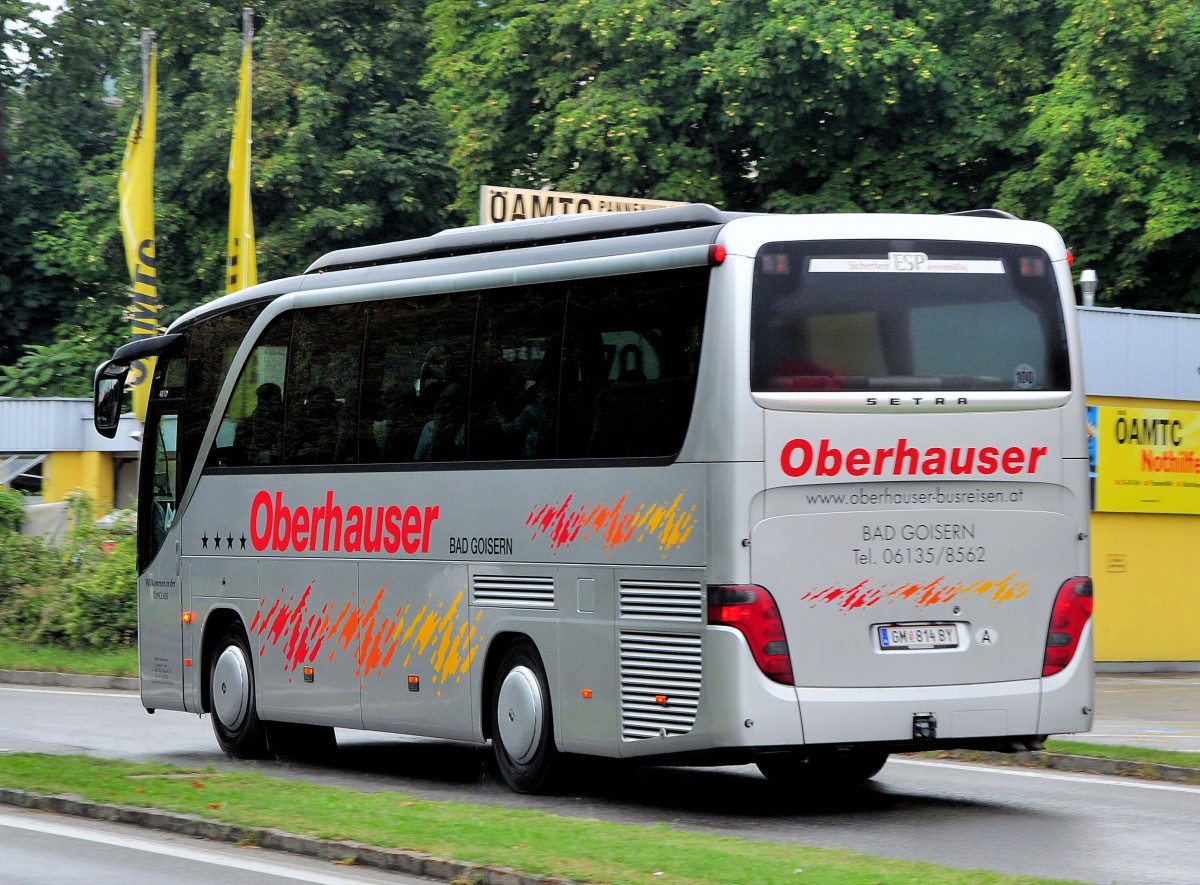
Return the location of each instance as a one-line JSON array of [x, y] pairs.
[[1087, 284]]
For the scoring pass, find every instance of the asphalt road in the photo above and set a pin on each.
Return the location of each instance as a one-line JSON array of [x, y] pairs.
[[1021, 821], [41, 849]]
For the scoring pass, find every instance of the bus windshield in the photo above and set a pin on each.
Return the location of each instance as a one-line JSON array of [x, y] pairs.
[[904, 315]]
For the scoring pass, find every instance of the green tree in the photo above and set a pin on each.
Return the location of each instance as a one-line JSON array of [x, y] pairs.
[[16, 25], [1114, 149], [587, 94], [61, 247], [791, 105], [64, 366], [858, 105], [347, 151], [346, 148]]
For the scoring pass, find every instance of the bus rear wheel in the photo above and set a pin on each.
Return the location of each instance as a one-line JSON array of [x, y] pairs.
[[824, 767], [522, 722], [239, 731]]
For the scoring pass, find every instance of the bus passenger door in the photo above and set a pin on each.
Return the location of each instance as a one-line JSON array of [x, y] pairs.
[[160, 603], [416, 649]]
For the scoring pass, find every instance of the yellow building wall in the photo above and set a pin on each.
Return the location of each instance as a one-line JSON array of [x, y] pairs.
[[87, 472], [1146, 574]]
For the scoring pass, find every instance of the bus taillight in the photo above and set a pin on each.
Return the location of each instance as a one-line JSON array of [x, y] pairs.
[[751, 610], [1072, 609]]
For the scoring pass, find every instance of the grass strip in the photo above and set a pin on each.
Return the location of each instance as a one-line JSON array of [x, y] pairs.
[[1144, 755], [52, 659], [532, 841]]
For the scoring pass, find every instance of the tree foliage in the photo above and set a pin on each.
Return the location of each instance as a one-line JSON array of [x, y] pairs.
[[347, 151], [789, 105], [1116, 148]]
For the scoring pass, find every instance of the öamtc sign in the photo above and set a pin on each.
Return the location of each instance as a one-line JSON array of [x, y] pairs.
[[498, 204], [1146, 460]]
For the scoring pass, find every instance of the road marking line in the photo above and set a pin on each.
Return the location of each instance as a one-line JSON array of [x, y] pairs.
[[40, 825], [1073, 777], [113, 693]]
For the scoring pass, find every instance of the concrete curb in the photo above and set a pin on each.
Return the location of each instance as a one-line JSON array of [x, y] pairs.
[[67, 680], [1082, 765], [395, 860]]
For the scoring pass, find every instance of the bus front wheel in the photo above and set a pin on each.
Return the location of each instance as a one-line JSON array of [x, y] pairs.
[[523, 726], [239, 731]]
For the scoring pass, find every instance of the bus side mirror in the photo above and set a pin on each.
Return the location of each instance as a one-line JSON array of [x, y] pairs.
[[107, 394]]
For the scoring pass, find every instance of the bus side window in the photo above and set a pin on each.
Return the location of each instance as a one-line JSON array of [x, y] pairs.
[[630, 373], [514, 394], [322, 422], [251, 432], [259, 436], [417, 350]]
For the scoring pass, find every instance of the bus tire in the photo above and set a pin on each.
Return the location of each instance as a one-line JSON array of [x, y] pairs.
[[523, 725], [239, 731], [818, 768]]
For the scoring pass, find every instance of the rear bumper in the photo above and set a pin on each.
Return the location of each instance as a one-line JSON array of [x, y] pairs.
[[956, 712], [743, 712], [962, 713]]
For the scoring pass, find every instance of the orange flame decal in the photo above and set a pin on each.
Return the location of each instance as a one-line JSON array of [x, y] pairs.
[[935, 592], [615, 524], [445, 635]]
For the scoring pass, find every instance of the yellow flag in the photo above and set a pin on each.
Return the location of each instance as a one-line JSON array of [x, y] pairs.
[[136, 191], [241, 264]]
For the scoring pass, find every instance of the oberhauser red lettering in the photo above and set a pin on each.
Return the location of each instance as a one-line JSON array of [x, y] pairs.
[[800, 458], [328, 527]]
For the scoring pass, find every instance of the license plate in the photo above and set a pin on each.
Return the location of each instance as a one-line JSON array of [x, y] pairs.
[[897, 637]]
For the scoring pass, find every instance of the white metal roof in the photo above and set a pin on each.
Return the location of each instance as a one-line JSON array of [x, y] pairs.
[[58, 424], [1140, 353]]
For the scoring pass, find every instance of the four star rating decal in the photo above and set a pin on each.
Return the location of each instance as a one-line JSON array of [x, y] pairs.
[[217, 540]]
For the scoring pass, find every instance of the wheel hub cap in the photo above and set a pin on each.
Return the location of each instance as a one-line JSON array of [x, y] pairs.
[[521, 706], [231, 687]]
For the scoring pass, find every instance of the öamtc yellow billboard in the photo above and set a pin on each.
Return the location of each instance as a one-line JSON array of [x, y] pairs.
[[1146, 460]]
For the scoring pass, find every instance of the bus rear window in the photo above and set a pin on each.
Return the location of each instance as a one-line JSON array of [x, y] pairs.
[[904, 315]]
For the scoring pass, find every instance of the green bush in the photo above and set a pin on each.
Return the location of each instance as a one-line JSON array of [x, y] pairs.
[[12, 510], [104, 610], [82, 594], [25, 563]]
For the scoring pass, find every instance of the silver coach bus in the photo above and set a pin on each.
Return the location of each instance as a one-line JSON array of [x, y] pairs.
[[700, 486]]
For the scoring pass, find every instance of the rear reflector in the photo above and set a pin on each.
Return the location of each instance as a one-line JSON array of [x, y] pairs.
[[751, 610], [1072, 610]]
